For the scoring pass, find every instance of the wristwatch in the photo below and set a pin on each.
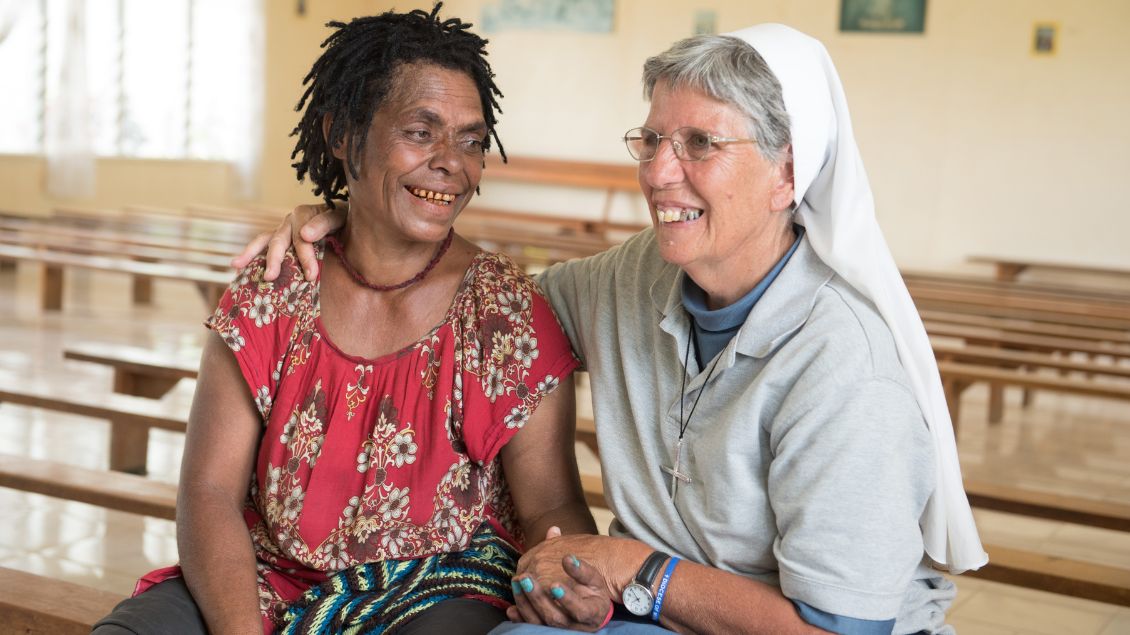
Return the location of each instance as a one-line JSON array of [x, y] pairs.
[[637, 596]]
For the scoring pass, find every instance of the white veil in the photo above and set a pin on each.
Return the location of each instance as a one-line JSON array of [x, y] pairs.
[[835, 205]]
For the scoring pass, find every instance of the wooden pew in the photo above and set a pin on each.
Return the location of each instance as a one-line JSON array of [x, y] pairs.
[[997, 357], [1009, 269], [1030, 327], [1057, 507], [35, 605], [1112, 313], [608, 177], [1054, 574], [112, 490], [988, 336], [139, 371], [209, 282], [1057, 291], [957, 376], [130, 417], [927, 300], [539, 238]]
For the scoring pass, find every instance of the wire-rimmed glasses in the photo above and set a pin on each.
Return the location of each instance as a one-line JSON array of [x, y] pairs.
[[690, 144]]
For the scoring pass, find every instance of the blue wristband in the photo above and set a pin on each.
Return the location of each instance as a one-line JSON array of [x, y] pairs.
[[662, 590]]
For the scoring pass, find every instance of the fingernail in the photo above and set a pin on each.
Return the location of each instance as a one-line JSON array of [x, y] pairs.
[[576, 563], [517, 587], [557, 592], [527, 585]]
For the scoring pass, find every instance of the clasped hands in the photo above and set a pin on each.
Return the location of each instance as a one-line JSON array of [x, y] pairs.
[[563, 581]]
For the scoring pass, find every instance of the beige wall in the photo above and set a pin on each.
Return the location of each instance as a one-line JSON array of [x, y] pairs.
[[973, 145]]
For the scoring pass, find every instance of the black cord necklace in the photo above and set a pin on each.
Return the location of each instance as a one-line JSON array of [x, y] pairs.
[[676, 474]]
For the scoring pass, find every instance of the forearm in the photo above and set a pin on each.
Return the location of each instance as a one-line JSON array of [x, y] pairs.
[[701, 599], [218, 561], [571, 518]]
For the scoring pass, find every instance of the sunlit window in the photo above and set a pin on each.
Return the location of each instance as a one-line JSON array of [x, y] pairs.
[[158, 79]]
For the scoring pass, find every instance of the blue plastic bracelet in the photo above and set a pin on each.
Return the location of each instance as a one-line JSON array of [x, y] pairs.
[[662, 591]]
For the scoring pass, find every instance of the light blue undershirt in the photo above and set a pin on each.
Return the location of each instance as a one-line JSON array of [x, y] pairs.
[[713, 330]]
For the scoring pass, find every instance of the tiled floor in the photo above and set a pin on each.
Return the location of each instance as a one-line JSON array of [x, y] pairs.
[[1070, 445]]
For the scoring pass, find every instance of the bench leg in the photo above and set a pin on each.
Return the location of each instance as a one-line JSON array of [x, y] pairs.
[[1007, 272], [139, 385], [996, 402], [953, 390], [589, 439], [211, 293], [129, 448], [142, 290], [51, 291]]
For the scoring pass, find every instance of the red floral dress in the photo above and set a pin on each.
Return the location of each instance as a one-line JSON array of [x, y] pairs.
[[364, 460]]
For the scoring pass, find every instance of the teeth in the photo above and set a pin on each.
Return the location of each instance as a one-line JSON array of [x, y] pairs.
[[677, 214], [435, 197]]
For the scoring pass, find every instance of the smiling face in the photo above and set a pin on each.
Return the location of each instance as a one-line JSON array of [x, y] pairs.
[[723, 216], [423, 155]]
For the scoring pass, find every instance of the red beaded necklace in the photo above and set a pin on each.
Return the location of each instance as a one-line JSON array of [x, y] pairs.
[[336, 245]]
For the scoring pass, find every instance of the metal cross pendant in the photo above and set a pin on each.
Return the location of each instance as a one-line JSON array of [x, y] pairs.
[[676, 474]]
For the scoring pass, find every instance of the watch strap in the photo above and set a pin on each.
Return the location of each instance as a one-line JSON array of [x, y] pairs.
[[650, 569]]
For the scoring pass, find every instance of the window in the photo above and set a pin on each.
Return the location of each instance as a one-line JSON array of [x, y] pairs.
[[132, 78]]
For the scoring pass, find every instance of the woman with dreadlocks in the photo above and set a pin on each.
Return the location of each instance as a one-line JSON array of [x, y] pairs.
[[347, 446]]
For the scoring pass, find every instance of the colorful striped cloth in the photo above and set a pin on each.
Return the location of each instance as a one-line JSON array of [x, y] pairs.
[[381, 597]]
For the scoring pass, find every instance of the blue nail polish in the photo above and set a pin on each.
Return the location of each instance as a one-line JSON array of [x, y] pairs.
[[557, 592], [517, 587], [527, 585], [576, 563]]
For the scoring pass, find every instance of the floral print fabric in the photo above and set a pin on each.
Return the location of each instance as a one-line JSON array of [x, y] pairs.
[[364, 460]]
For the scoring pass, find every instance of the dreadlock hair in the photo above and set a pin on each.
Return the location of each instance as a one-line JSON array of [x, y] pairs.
[[353, 76]]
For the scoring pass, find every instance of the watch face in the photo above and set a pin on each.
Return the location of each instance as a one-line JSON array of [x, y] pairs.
[[637, 599]]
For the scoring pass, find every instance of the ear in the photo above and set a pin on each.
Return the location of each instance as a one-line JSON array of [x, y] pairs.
[[784, 193], [339, 149]]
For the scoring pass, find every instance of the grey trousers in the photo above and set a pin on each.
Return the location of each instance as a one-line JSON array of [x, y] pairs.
[[168, 609]]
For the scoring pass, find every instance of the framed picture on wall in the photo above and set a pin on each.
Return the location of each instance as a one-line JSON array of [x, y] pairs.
[[883, 16], [1044, 38]]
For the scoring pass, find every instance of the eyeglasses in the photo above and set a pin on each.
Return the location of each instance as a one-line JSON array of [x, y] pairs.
[[691, 144]]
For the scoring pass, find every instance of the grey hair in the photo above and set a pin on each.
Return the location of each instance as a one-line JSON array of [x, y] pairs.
[[729, 70]]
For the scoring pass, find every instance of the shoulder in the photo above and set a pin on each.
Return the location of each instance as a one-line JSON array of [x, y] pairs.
[[251, 297], [849, 337], [251, 277], [493, 272], [501, 300]]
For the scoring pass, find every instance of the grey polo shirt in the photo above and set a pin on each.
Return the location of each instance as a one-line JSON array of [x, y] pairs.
[[809, 458]]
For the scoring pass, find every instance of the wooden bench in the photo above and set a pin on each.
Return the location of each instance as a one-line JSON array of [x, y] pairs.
[[1030, 327], [1052, 291], [112, 490], [74, 242], [130, 417], [1028, 502], [927, 300], [140, 372], [994, 356], [34, 605], [987, 336], [1065, 576], [209, 282], [1113, 314], [957, 376], [611, 178], [542, 238], [1009, 269]]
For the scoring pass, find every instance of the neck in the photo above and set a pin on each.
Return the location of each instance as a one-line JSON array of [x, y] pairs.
[[383, 260], [725, 282]]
